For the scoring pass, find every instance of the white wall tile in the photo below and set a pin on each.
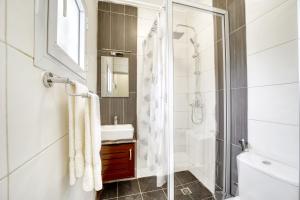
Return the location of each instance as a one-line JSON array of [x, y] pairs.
[[256, 8], [207, 58], [3, 139], [181, 119], [274, 66], [180, 137], [277, 103], [20, 24], [91, 45], [2, 19], [140, 41], [4, 189], [180, 50], [180, 68], [276, 141], [146, 13], [37, 116], [35, 181], [274, 28], [180, 85], [181, 102], [143, 26]]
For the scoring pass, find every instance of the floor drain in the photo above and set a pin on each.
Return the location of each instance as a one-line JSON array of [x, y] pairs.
[[186, 191]]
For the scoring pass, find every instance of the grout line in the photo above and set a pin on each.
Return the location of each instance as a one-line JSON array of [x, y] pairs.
[[237, 29], [117, 189], [276, 84], [140, 188], [272, 47], [152, 191], [4, 177], [266, 13], [37, 154], [165, 193], [128, 195], [273, 122], [20, 51]]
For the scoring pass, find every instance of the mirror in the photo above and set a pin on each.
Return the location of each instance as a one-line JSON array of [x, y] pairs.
[[114, 77]]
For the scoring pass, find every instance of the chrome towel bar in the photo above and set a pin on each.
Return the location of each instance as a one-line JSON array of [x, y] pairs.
[[49, 79]]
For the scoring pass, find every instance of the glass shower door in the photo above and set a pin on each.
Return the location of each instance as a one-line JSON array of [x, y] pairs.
[[200, 96]]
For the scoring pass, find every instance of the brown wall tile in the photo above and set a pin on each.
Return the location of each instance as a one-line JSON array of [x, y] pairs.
[[117, 8], [132, 72], [130, 110], [130, 10], [235, 150], [220, 115], [219, 4], [117, 108], [219, 65], [130, 33], [117, 31], [238, 59], [236, 10], [239, 116], [105, 111], [104, 34], [104, 6]]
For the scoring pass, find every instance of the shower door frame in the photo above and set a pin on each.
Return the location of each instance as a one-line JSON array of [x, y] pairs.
[[226, 80]]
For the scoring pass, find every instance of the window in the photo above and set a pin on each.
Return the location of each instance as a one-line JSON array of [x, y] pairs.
[[62, 38]]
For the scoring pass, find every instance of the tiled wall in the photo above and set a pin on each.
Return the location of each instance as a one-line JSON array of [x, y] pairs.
[[238, 67], [117, 29], [34, 135], [273, 101], [182, 55]]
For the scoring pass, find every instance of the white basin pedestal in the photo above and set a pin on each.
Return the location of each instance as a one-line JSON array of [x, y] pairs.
[[117, 132]]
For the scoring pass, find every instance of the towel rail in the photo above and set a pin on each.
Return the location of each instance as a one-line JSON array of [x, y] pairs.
[[49, 79]]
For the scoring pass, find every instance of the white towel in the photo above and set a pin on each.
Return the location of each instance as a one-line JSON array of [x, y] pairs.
[[92, 175], [88, 180], [79, 128], [71, 137], [96, 140]]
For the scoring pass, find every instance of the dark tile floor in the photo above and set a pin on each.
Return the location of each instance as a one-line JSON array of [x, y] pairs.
[[145, 189]]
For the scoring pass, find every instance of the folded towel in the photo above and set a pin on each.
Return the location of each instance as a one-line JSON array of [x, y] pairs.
[[71, 137], [79, 128], [88, 179], [96, 140], [92, 174]]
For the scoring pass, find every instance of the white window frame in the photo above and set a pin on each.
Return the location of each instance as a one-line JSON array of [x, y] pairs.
[[48, 54]]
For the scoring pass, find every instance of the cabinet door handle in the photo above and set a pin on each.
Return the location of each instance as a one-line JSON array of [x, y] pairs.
[[130, 154]]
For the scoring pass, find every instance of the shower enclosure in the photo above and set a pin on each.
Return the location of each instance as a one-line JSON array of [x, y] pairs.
[[199, 61], [185, 101]]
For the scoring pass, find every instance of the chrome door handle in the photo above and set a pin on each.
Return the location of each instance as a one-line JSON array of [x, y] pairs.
[[130, 154]]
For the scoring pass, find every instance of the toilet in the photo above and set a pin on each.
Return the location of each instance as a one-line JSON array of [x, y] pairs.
[[264, 179]]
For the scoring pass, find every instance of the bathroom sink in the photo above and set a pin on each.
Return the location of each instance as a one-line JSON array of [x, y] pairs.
[[117, 132]]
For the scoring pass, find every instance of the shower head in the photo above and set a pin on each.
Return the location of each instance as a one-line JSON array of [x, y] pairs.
[[177, 35], [193, 40], [186, 26]]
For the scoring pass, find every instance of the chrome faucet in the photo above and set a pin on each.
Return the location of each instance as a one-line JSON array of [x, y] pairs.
[[244, 144], [115, 120]]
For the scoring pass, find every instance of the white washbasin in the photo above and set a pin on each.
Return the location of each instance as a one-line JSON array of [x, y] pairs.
[[117, 132]]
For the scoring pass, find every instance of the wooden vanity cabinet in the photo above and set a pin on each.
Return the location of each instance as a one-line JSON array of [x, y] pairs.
[[118, 161]]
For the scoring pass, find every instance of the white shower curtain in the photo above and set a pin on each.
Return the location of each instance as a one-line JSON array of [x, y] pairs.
[[152, 117]]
